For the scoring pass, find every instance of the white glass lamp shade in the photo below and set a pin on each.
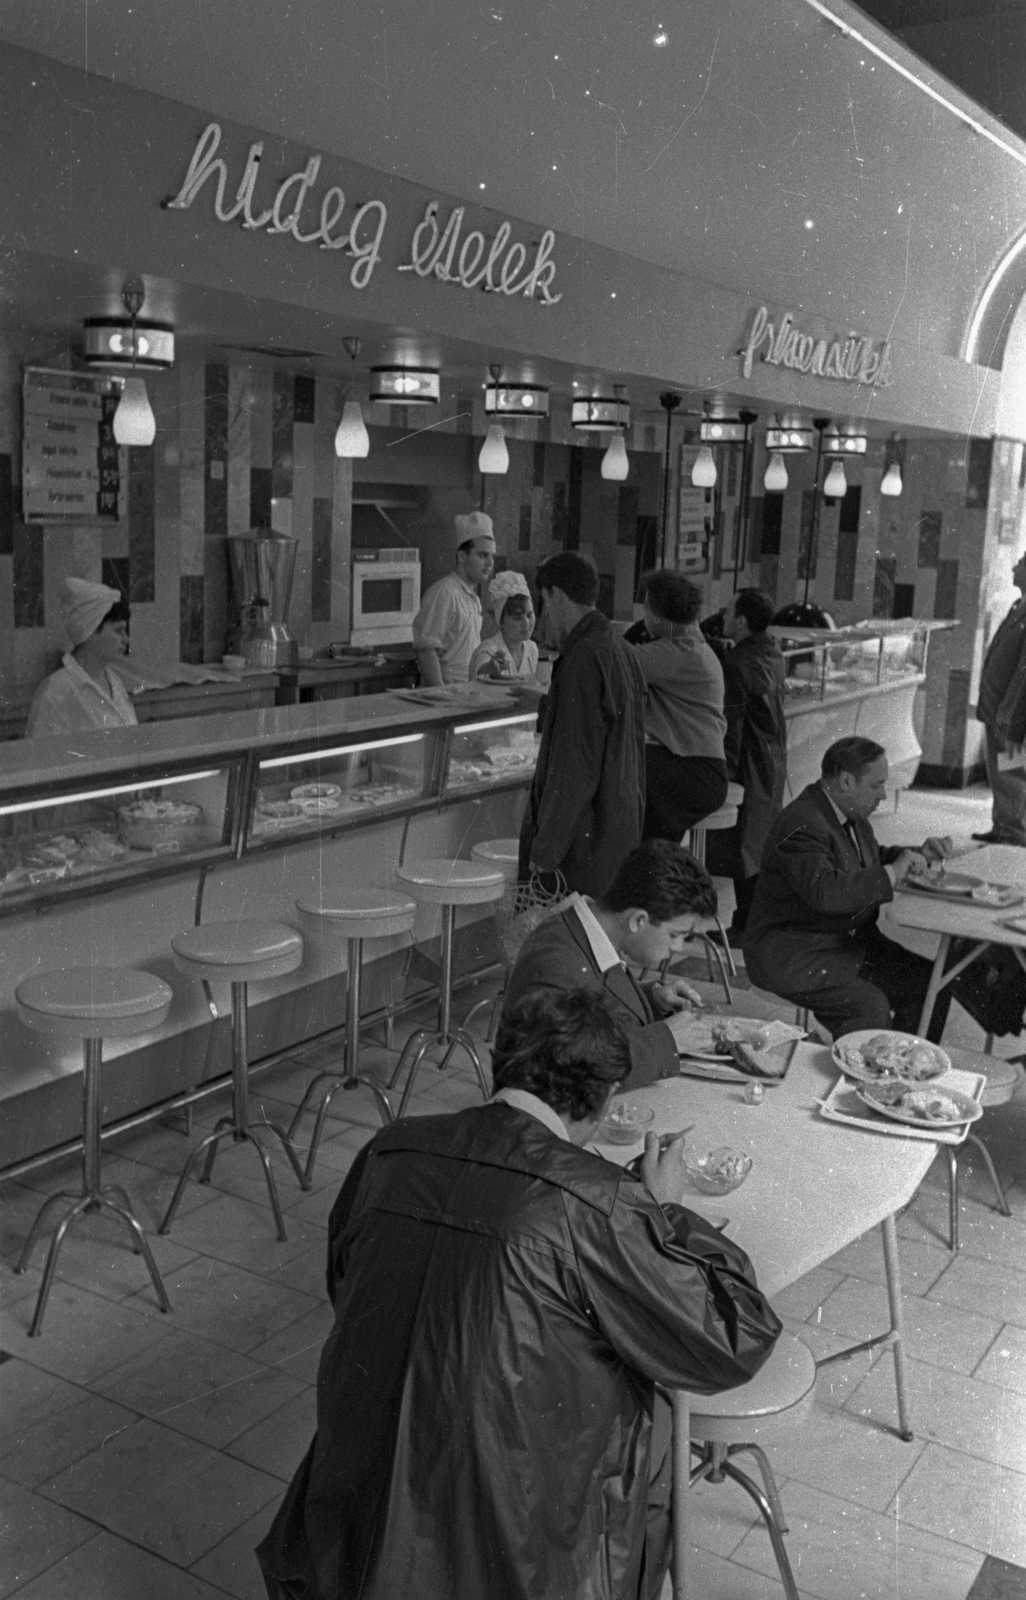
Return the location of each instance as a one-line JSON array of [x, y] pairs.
[[494, 457], [615, 464], [703, 473], [891, 484], [352, 440], [134, 422], [836, 483], [776, 480]]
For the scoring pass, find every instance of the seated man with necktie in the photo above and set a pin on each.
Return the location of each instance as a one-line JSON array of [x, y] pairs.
[[655, 902], [811, 934]]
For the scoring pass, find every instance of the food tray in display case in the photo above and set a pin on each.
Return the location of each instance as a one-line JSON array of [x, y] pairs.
[[821, 664], [304, 793], [486, 754], [78, 839]]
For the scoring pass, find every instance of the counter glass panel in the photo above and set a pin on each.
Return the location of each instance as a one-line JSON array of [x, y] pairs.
[[82, 838], [482, 755], [314, 791], [819, 666]]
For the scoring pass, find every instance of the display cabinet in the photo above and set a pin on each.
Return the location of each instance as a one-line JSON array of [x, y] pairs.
[[76, 838], [496, 752], [300, 793], [849, 660]]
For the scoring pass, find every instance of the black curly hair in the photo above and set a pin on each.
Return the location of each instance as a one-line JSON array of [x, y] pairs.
[[565, 1046]]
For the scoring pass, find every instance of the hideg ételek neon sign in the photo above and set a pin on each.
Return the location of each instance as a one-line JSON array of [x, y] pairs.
[[437, 249]]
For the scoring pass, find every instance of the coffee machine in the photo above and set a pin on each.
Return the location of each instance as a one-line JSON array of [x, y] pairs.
[[263, 563]]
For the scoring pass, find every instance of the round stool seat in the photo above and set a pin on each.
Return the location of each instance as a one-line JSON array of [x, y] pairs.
[[238, 952], [452, 883], [93, 1002], [357, 914], [501, 853], [1003, 1079], [786, 1381]]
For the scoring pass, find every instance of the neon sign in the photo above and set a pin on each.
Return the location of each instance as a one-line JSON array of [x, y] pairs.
[[853, 358]]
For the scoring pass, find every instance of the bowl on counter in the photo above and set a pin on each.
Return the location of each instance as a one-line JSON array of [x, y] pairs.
[[626, 1122], [235, 664], [716, 1171], [161, 826]]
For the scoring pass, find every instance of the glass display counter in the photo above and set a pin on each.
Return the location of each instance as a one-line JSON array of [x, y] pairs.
[[80, 837], [850, 659], [490, 754], [309, 792]]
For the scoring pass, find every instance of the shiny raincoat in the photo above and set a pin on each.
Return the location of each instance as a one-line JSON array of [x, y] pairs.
[[504, 1304]]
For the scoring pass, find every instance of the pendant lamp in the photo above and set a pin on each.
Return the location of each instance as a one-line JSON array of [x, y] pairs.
[[703, 473], [134, 422], [776, 479], [352, 441], [615, 464], [891, 484], [836, 484], [494, 457]]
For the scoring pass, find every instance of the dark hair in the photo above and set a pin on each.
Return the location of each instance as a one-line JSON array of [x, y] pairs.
[[118, 612], [515, 606], [566, 1046], [665, 880], [572, 573], [756, 608], [670, 596], [853, 755]]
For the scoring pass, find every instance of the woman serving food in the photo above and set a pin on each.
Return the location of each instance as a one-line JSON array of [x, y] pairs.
[[85, 694], [510, 653]]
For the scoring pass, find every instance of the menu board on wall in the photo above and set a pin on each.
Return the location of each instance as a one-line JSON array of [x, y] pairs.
[[71, 465]]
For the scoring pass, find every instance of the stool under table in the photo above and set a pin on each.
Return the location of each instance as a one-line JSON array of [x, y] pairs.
[[91, 1004], [238, 953], [447, 884], [353, 915]]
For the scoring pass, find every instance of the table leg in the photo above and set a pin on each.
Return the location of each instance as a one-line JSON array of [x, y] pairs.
[[935, 985], [681, 1481], [893, 1269]]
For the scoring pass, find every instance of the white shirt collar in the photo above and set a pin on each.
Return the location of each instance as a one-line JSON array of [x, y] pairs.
[[524, 1100], [602, 947], [85, 680], [838, 813]]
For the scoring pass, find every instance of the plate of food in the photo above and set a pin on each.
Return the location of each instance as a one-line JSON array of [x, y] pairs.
[[705, 1038], [874, 1055], [936, 879], [315, 791], [998, 895], [921, 1106]]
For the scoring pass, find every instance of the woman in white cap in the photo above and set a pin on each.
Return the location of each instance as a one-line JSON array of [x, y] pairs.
[[447, 628], [510, 653], [84, 694]]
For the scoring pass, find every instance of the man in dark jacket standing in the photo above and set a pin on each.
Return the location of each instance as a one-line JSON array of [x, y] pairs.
[[755, 746], [587, 801], [505, 1303], [812, 935], [1001, 707]]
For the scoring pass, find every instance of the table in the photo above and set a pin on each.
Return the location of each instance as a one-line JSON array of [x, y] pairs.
[[813, 1188], [997, 863]]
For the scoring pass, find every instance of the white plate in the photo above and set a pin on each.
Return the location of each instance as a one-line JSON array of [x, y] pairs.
[[862, 1036], [947, 883], [693, 1035], [999, 896], [845, 1104], [969, 1109]]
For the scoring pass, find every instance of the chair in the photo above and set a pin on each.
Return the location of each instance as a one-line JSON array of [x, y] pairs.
[[353, 915], [91, 1004], [694, 840], [238, 953], [720, 1427], [447, 884], [1003, 1080]]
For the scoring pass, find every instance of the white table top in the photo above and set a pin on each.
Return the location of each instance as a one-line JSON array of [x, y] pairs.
[[814, 1185], [995, 863]]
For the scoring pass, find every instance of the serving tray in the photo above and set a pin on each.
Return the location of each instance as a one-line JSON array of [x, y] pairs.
[[842, 1104]]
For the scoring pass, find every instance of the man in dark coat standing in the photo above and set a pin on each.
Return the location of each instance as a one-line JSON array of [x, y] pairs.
[[812, 935], [1001, 707], [755, 746], [505, 1303], [587, 801]]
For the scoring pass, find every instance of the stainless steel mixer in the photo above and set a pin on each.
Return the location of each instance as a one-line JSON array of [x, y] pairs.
[[263, 563]]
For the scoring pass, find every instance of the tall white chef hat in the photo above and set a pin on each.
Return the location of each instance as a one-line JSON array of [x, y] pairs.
[[84, 606], [502, 588], [474, 527]]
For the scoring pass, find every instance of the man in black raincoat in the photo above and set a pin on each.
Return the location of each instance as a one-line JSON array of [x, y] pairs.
[[505, 1302], [587, 801], [754, 747]]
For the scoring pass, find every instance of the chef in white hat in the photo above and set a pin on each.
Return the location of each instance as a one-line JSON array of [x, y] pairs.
[[85, 694], [510, 653], [447, 628]]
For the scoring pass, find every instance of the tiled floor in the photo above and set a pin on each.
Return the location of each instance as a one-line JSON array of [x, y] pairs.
[[144, 1454]]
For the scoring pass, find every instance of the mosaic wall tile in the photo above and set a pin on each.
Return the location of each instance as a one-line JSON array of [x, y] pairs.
[[524, 530], [191, 618], [847, 559], [572, 539], [304, 399], [8, 674], [930, 524], [341, 545], [904, 600], [283, 400], [956, 715], [141, 528], [330, 399], [320, 563], [883, 585], [192, 465], [945, 601], [538, 457], [240, 413], [215, 497], [6, 507], [772, 524], [260, 497], [27, 549], [627, 514], [301, 501], [979, 457], [808, 535], [559, 516], [769, 575]]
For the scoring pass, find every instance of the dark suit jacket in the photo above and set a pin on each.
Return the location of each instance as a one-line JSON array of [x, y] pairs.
[[558, 956], [755, 746], [813, 898]]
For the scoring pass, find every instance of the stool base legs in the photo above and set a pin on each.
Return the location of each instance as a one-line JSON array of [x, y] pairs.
[[93, 1197], [238, 1128], [419, 1043]]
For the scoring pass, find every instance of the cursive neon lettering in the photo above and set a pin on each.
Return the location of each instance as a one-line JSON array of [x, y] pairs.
[[469, 264], [367, 255], [447, 247], [332, 207], [542, 275], [203, 166], [513, 264], [853, 358], [244, 196], [425, 239], [498, 245], [305, 181]]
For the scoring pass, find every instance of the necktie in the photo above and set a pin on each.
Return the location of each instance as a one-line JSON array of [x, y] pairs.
[[849, 828]]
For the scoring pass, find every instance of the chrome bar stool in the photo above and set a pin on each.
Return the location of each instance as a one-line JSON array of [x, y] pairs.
[[719, 1427], [504, 854], [238, 953], [353, 915], [717, 822], [91, 1004], [447, 884]]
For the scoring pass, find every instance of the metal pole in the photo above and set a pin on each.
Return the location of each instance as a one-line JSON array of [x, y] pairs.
[[669, 402], [745, 497], [819, 423]]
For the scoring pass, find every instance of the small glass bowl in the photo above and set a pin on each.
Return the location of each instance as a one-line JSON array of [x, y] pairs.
[[625, 1122], [717, 1171]]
